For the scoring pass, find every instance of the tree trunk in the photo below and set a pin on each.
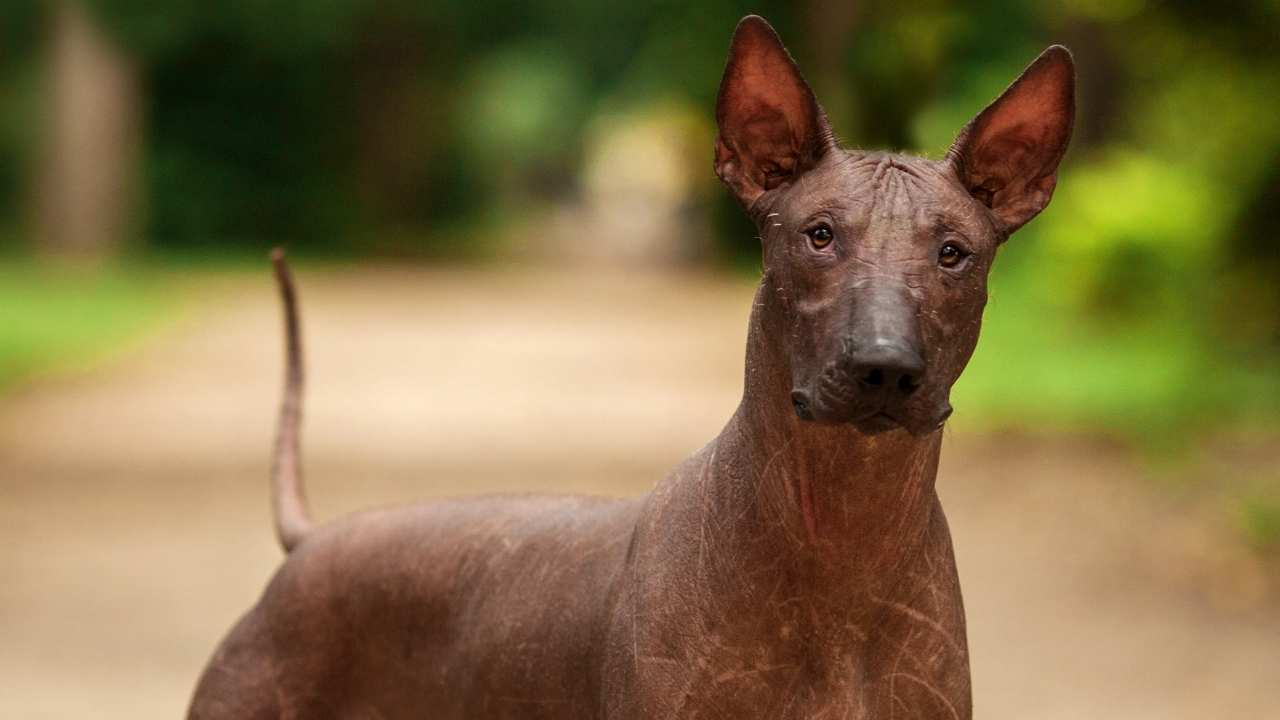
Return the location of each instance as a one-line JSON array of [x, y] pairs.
[[91, 140]]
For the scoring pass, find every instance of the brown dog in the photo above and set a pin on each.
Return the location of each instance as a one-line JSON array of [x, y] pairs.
[[798, 566]]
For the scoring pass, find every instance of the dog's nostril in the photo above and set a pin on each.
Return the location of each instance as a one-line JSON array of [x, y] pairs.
[[886, 366], [907, 384], [878, 377]]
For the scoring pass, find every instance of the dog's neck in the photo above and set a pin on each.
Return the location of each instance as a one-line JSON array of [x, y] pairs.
[[850, 507]]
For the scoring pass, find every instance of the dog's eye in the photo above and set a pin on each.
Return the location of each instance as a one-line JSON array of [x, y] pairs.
[[950, 255], [819, 236]]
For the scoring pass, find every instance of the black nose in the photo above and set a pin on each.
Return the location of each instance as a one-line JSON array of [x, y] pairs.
[[887, 366]]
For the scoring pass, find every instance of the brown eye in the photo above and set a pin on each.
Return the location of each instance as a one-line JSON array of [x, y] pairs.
[[819, 236], [951, 255]]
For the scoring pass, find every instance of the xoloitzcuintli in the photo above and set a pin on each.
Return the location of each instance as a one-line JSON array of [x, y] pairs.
[[798, 566]]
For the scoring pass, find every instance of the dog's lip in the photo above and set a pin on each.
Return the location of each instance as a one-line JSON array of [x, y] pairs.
[[881, 420], [878, 419]]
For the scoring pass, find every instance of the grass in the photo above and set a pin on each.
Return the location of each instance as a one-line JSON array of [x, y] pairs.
[[59, 318], [1260, 520], [71, 318]]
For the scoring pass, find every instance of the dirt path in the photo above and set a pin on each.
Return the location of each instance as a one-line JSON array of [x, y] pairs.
[[134, 523]]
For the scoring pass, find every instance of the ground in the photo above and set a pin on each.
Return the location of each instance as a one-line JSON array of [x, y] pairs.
[[135, 521]]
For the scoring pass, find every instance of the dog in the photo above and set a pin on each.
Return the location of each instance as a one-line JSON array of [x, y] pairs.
[[798, 566]]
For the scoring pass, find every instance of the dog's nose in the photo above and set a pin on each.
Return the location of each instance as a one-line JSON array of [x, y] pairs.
[[885, 365]]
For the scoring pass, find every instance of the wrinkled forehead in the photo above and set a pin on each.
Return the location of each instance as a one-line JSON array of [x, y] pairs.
[[866, 189]]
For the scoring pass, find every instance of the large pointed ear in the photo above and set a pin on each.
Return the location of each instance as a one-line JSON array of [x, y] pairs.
[[771, 128], [1008, 155]]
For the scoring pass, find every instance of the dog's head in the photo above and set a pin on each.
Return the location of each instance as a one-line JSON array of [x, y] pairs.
[[877, 262]]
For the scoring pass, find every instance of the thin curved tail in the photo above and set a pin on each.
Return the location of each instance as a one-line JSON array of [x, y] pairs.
[[288, 501]]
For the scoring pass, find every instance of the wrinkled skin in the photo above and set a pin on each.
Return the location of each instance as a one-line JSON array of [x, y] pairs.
[[798, 566]]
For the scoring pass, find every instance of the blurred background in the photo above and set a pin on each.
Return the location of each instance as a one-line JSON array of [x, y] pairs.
[[519, 273]]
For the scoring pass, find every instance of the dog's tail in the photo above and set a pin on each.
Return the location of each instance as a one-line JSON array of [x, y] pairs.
[[288, 501]]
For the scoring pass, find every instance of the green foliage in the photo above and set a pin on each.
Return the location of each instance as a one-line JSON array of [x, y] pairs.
[[531, 98]]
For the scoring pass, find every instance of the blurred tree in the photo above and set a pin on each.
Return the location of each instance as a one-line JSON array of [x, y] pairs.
[[19, 87], [90, 163]]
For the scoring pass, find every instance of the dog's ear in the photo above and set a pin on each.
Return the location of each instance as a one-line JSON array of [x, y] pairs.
[[1008, 155], [771, 127]]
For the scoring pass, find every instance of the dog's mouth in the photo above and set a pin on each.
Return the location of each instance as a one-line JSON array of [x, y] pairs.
[[829, 409], [870, 416], [877, 422], [882, 420]]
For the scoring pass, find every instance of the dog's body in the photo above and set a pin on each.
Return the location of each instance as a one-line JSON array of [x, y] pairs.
[[798, 566], [707, 599]]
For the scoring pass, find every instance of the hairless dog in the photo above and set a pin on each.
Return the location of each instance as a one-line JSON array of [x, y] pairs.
[[798, 566]]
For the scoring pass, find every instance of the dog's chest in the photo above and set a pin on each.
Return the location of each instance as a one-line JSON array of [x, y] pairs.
[[910, 662], [770, 688], [714, 677]]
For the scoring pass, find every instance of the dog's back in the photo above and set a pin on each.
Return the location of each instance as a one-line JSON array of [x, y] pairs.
[[477, 607]]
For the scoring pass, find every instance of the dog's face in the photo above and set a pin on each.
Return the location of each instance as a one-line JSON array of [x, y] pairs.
[[878, 262]]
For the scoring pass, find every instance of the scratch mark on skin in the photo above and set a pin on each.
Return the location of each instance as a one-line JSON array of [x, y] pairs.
[[686, 693], [548, 702], [920, 617], [893, 676], [707, 515], [635, 638], [815, 305], [658, 660], [768, 465], [856, 631], [806, 508], [932, 691], [729, 675]]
